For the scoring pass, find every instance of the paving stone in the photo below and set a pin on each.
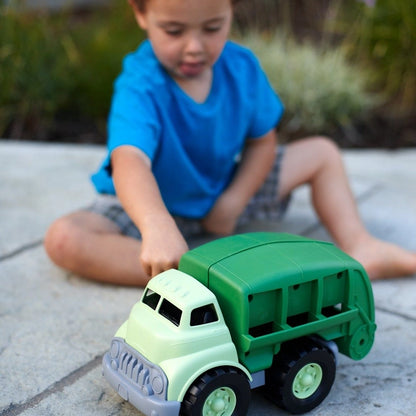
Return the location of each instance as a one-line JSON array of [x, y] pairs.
[[390, 213], [397, 168], [51, 323], [54, 326], [40, 183], [359, 388]]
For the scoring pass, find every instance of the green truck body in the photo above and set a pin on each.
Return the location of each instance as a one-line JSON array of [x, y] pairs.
[[243, 311]]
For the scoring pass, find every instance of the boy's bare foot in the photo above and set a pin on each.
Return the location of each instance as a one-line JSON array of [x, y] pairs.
[[383, 260]]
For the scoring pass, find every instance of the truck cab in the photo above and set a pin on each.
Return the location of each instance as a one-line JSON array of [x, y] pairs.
[[251, 310], [175, 333]]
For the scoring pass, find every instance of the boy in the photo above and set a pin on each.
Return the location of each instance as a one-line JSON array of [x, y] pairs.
[[192, 145]]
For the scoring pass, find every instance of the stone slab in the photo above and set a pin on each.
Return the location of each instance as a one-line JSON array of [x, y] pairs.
[[51, 323], [54, 327], [381, 384], [38, 183]]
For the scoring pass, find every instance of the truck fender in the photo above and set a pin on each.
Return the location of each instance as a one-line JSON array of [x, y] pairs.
[[208, 367], [121, 332]]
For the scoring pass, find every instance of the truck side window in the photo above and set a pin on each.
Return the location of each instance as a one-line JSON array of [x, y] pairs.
[[151, 298], [262, 312], [170, 312], [334, 296], [204, 315], [301, 298]]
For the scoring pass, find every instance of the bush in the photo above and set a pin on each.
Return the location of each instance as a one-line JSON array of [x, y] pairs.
[[383, 37], [34, 73], [60, 65], [319, 88], [99, 47]]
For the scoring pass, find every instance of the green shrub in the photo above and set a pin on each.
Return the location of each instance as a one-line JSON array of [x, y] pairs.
[[99, 48], [63, 65], [384, 38], [319, 88], [60, 65], [34, 72]]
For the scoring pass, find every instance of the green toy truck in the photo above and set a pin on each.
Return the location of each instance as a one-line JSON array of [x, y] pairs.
[[253, 310]]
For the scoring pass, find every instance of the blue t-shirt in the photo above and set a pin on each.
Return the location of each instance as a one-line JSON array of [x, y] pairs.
[[194, 147]]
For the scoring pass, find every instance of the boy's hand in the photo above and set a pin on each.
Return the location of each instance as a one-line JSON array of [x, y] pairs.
[[162, 249], [223, 217]]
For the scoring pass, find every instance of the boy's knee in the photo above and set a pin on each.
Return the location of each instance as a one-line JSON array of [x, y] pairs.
[[61, 240], [327, 149], [327, 145]]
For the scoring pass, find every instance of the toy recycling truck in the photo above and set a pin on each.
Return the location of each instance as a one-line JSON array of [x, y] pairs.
[[253, 310]]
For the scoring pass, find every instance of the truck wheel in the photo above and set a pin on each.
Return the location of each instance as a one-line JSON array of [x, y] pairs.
[[301, 376], [218, 392]]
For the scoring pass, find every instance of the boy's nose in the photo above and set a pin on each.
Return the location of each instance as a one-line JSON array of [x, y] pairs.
[[194, 45]]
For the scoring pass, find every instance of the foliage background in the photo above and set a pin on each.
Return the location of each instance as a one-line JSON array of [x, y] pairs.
[[343, 67]]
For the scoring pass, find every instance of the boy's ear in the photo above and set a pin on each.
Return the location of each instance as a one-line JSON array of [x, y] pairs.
[[139, 16]]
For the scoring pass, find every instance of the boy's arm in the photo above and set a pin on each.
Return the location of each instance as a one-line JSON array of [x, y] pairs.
[[162, 242], [257, 161]]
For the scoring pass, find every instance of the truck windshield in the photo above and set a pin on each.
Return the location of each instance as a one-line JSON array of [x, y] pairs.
[[167, 309], [170, 312], [151, 298]]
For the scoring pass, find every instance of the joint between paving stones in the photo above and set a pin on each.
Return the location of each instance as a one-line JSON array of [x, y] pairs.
[[16, 409], [20, 250]]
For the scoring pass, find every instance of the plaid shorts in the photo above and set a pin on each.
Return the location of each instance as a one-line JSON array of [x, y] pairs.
[[264, 206]]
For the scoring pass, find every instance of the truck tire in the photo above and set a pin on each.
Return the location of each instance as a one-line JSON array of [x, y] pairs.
[[221, 391], [301, 376]]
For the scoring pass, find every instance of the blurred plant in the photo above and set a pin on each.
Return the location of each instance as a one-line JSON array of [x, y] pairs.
[[383, 37], [63, 65], [60, 63], [369, 3], [318, 86], [98, 48], [34, 72]]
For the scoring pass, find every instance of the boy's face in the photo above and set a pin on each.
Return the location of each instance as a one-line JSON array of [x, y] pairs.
[[187, 35]]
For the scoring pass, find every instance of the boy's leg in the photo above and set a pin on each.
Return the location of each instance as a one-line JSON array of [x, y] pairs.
[[317, 162], [92, 246]]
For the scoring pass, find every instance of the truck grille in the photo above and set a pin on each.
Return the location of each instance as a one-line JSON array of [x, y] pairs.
[[146, 376]]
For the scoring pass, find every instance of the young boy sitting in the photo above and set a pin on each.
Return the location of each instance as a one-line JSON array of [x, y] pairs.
[[192, 147]]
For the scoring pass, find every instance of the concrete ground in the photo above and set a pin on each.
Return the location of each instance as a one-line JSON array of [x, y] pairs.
[[55, 327]]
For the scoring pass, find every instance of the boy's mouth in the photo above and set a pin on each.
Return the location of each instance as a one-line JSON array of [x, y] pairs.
[[191, 69]]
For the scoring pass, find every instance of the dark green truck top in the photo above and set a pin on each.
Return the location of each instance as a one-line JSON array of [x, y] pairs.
[[276, 287]]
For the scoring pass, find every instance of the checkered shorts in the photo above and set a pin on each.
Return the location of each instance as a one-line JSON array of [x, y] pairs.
[[264, 206]]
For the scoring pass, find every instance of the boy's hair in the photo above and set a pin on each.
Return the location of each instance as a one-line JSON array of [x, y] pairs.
[[141, 4]]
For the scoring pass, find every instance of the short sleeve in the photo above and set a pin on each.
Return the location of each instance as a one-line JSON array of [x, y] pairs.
[[133, 120], [268, 108]]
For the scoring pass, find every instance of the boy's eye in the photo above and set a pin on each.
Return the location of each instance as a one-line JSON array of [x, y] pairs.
[[211, 29], [173, 32], [172, 29]]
